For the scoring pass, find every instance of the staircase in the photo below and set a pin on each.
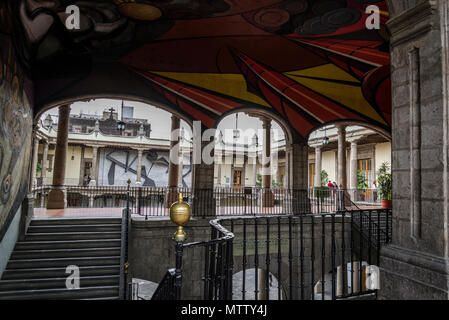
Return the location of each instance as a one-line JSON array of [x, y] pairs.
[[37, 266]]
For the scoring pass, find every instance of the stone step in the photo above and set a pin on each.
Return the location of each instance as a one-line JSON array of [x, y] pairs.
[[74, 221], [61, 294], [64, 253], [56, 283], [62, 262], [39, 273], [71, 236], [74, 228], [73, 244]]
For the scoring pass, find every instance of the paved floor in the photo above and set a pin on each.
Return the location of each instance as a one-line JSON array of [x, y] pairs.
[[117, 212]]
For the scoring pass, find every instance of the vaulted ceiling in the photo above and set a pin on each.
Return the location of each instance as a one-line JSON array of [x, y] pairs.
[[309, 61]]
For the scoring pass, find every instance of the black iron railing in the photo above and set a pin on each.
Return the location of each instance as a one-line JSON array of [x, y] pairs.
[[165, 290], [219, 201], [124, 291], [304, 257]]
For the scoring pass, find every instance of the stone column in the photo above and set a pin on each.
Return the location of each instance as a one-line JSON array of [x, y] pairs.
[[255, 172], [268, 197], [266, 177], [181, 168], [94, 172], [173, 166], [44, 162], [204, 204], [353, 166], [56, 196], [298, 177], [318, 166], [139, 167], [219, 173], [341, 162], [35, 156]]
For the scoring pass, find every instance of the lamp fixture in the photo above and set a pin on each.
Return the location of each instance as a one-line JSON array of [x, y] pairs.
[[326, 140], [121, 126]]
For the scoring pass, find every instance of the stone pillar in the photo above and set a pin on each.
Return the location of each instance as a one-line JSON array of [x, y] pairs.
[[56, 196], [341, 162], [44, 162], [266, 176], [353, 170], [173, 166], [298, 177], [35, 155], [139, 167], [255, 172], [219, 173], [318, 166], [204, 204], [353, 166], [181, 168], [416, 264], [268, 197], [94, 172]]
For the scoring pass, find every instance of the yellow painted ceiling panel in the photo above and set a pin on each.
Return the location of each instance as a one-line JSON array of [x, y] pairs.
[[327, 71], [233, 85], [350, 96]]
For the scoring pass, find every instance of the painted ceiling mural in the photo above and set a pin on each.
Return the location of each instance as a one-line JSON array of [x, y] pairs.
[[15, 125], [310, 61]]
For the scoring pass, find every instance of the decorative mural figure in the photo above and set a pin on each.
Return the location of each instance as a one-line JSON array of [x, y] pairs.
[[117, 168], [15, 125]]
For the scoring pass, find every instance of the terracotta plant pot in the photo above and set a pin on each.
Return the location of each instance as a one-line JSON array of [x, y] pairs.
[[386, 204]]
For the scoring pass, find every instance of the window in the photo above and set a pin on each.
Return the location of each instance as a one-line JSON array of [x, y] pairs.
[[237, 178], [312, 175], [281, 174], [366, 167]]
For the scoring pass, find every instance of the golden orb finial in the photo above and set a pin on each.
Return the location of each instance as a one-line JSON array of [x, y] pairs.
[[180, 214]]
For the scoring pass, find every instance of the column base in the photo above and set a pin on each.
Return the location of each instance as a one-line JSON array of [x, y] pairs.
[[56, 199], [409, 275], [92, 183], [138, 184]]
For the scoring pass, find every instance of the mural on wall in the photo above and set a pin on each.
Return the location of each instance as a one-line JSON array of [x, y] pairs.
[[117, 166], [309, 61], [15, 127]]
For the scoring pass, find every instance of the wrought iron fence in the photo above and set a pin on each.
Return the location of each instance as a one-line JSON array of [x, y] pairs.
[[219, 201], [304, 257]]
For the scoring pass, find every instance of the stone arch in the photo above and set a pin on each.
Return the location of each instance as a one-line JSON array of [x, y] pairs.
[[117, 96], [384, 133], [289, 132]]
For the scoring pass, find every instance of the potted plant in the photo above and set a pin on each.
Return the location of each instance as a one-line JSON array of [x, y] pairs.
[[323, 191], [384, 183], [361, 185]]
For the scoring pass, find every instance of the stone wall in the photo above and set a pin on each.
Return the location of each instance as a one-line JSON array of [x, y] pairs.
[[415, 265], [15, 135]]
